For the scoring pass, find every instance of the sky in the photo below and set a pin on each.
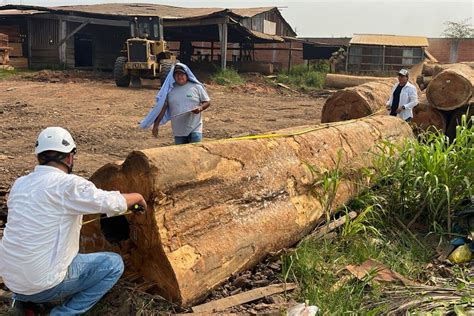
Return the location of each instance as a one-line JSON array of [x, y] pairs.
[[336, 18]]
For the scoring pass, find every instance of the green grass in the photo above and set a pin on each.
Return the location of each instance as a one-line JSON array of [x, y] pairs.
[[4, 74], [227, 77], [430, 177], [301, 76]]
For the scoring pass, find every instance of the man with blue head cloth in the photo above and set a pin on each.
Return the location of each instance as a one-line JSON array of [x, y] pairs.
[[181, 99]]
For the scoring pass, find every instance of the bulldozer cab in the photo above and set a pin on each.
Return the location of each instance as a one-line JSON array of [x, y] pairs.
[[147, 27], [145, 53]]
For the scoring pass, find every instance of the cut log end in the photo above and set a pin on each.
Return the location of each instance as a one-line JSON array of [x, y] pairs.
[[343, 106], [449, 91], [356, 102]]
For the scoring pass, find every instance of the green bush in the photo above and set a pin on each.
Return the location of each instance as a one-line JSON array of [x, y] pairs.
[[304, 77], [429, 178], [227, 77]]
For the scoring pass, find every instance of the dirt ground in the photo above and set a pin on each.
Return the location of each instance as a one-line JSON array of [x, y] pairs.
[[104, 119]]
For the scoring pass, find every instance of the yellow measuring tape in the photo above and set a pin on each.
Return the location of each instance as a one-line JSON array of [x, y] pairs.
[[98, 218], [308, 130]]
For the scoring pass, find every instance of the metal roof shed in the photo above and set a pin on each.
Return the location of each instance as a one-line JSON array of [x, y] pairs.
[[51, 31], [382, 53]]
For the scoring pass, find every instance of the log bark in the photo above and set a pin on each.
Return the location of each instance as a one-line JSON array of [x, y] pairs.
[[451, 88], [219, 207], [337, 81], [356, 102], [427, 117]]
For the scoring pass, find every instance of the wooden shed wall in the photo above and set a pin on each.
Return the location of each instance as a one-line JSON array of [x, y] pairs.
[[256, 23], [44, 35], [107, 42]]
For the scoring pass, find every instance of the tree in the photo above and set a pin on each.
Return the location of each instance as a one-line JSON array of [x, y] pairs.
[[457, 31]]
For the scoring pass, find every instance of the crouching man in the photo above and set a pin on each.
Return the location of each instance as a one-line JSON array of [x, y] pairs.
[[39, 259]]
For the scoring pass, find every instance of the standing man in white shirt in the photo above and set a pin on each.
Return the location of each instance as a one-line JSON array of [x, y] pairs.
[[403, 97], [39, 259]]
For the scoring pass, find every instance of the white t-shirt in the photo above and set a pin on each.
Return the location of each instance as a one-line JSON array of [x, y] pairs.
[[182, 99], [41, 237]]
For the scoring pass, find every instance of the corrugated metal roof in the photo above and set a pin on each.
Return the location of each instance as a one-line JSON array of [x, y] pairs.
[[389, 40], [134, 9], [164, 11], [19, 12]]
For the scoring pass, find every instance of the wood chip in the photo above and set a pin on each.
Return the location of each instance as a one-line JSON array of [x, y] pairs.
[[242, 298]]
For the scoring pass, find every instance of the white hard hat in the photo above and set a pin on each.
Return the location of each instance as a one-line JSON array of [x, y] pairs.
[[55, 139]]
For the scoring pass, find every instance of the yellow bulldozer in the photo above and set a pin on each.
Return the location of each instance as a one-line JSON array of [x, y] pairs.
[[145, 55]]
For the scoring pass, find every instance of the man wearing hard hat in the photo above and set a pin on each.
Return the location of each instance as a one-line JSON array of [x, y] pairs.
[[39, 259], [403, 97]]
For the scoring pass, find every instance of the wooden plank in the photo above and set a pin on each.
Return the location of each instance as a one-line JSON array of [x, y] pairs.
[[223, 43], [241, 298], [77, 29], [333, 225]]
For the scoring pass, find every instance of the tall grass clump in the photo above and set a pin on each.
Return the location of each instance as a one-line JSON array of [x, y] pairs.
[[227, 77], [303, 77], [428, 178]]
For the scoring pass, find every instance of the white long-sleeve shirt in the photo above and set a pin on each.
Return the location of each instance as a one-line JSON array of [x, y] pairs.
[[408, 99], [41, 237]]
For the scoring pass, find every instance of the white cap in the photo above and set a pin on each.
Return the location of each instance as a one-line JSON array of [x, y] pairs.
[[55, 139], [403, 72]]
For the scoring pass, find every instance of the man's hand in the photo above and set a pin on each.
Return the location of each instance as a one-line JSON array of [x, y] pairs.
[[399, 109], [197, 110], [135, 202], [155, 130]]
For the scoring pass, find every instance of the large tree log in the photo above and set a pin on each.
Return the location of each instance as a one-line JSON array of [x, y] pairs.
[[356, 102], [337, 81], [427, 117], [451, 88], [219, 207]]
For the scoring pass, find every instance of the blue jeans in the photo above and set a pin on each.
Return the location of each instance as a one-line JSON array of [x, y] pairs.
[[194, 137], [88, 278]]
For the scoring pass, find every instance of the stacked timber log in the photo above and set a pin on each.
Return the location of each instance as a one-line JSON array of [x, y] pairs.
[[357, 102], [448, 94], [428, 118], [217, 208], [337, 81], [449, 91], [361, 100]]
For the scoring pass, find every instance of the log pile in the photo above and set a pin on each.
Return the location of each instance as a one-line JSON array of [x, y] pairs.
[[449, 89], [449, 92], [217, 208]]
